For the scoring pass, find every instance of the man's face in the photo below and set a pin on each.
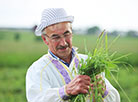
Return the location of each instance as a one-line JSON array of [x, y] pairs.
[[59, 39]]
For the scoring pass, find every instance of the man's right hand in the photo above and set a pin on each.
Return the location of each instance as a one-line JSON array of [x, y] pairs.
[[80, 84]]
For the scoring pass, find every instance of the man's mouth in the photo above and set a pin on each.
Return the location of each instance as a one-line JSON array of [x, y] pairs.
[[62, 48]]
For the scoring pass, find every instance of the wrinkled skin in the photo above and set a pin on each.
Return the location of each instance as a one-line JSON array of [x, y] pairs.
[[62, 48]]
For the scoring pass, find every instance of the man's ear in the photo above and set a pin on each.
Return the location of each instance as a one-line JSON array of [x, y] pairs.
[[44, 39]]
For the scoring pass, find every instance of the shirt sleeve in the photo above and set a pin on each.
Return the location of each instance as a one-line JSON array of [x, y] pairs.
[[111, 94], [40, 90]]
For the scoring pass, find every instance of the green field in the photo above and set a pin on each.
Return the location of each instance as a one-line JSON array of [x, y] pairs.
[[19, 49]]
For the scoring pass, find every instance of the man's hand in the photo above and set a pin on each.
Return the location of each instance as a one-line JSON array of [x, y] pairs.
[[80, 84], [100, 85]]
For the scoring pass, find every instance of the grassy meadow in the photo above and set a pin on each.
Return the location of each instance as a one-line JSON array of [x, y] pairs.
[[19, 49]]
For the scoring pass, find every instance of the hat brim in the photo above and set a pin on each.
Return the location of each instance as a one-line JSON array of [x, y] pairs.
[[38, 31]]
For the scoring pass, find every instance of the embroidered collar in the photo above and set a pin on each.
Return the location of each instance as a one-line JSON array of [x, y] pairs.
[[64, 70]]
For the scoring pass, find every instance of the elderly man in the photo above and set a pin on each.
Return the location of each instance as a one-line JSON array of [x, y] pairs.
[[51, 79]]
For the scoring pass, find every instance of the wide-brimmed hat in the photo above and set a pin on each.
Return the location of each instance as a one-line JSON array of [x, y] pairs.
[[52, 16]]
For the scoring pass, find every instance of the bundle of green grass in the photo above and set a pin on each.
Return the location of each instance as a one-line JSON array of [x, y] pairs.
[[98, 61]]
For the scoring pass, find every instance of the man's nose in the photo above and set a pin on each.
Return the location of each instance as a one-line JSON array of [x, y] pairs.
[[63, 41]]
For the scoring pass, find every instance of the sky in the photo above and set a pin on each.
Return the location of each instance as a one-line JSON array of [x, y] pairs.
[[107, 14]]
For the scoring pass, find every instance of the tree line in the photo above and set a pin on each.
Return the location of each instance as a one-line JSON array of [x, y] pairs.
[[96, 30]]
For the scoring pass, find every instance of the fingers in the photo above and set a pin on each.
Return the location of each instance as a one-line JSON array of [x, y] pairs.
[[84, 77], [80, 84], [98, 84]]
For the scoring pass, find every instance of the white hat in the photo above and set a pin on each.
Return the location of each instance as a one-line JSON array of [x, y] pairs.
[[52, 16]]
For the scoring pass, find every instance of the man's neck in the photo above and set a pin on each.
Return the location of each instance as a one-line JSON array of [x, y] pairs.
[[67, 59], [63, 59]]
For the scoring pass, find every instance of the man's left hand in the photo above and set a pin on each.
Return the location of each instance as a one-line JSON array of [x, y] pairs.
[[99, 83]]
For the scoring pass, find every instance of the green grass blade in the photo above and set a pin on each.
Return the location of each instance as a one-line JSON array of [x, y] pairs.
[[113, 41], [106, 43], [120, 87], [126, 55], [85, 46]]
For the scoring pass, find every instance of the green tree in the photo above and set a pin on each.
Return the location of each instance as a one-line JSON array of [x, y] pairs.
[[17, 36], [132, 33], [93, 30], [114, 33]]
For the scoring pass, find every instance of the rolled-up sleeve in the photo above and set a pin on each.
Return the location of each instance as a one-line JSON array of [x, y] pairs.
[[112, 94]]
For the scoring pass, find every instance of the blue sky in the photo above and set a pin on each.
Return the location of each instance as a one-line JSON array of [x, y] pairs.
[[107, 14]]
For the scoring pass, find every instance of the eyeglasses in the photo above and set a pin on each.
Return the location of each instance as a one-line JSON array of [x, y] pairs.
[[57, 38]]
